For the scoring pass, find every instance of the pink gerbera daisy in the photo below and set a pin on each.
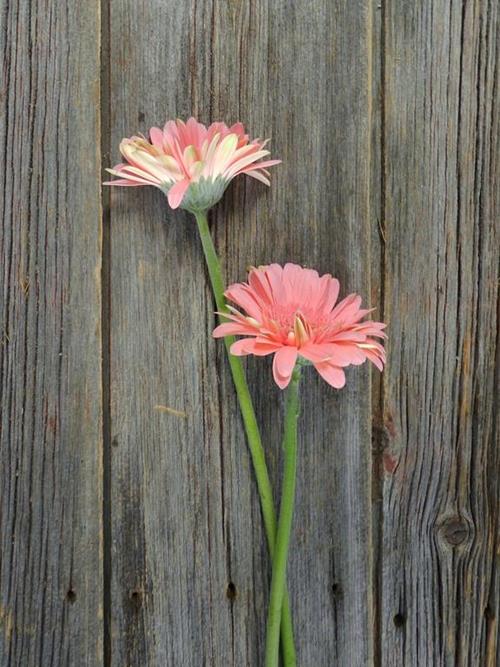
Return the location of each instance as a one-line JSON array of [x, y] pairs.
[[291, 312], [191, 163]]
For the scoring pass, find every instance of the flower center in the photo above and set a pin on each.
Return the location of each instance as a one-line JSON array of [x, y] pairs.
[[301, 330], [296, 326]]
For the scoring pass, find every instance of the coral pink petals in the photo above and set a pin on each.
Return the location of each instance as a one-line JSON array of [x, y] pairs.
[[259, 286], [177, 192], [347, 354], [291, 311], [242, 347], [329, 293], [332, 374], [277, 284], [232, 329], [253, 346], [123, 183], [263, 347], [337, 354], [283, 365], [347, 307], [376, 359], [243, 297]]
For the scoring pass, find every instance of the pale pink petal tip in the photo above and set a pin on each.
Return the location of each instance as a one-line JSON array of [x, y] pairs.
[[283, 365], [293, 313]]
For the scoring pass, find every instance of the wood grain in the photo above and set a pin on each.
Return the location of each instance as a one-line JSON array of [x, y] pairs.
[[169, 579], [150, 551], [50, 427], [190, 568], [315, 87], [439, 589]]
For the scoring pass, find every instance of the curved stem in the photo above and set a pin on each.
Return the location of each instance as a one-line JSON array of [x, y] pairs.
[[252, 432], [285, 521]]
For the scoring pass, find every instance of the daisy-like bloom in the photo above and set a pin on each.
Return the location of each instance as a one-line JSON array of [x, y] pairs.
[[190, 163], [293, 313]]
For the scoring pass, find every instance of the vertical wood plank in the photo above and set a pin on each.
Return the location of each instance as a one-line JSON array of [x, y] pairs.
[[185, 516], [377, 250], [50, 426], [441, 494], [169, 578], [303, 77]]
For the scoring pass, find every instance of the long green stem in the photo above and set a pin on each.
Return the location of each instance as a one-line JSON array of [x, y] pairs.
[[252, 431], [285, 521]]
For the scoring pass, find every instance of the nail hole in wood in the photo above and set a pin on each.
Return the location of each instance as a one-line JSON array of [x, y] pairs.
[[231, 591], [136, 598], [114, 442], [336, 589], [141, 117], [71, 596], [399, 620]]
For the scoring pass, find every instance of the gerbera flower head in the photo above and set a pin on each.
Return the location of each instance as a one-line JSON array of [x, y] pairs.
[[293, 313], [190, 163]]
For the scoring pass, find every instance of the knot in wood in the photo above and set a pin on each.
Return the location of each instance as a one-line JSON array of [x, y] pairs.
[[455, 531]]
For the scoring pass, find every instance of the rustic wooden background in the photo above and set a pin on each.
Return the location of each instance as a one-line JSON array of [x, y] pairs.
[[131, 535]]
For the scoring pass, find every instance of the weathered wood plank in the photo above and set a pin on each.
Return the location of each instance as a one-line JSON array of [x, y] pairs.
[[50, 426], [314, 94], [185, 514], [169, 578], [441, 494]]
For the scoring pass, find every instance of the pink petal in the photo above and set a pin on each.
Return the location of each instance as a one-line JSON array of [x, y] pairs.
[[375, 359], [314, 352], [274, 275], [242, 347], [258, 176], [244, 298], [238, 129], [333, 375], [301, 284], [260, 286], [135, 174], [122, 182], [177, 192], [264, 347], [330, 293], [344, 354], [156, 136], [258, 347], [239, 165], [263, 165], [349, 336], [232, 329], [283, 365], [348, 307], [335, 354]]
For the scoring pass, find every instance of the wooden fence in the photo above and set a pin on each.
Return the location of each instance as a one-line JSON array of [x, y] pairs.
[[131, 533]]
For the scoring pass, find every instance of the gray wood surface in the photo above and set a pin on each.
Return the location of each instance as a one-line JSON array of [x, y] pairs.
[[130, 525], [439, 591], [51, 605]]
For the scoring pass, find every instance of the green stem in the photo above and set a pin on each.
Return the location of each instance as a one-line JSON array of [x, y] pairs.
[[285, 521], [252, 431]]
